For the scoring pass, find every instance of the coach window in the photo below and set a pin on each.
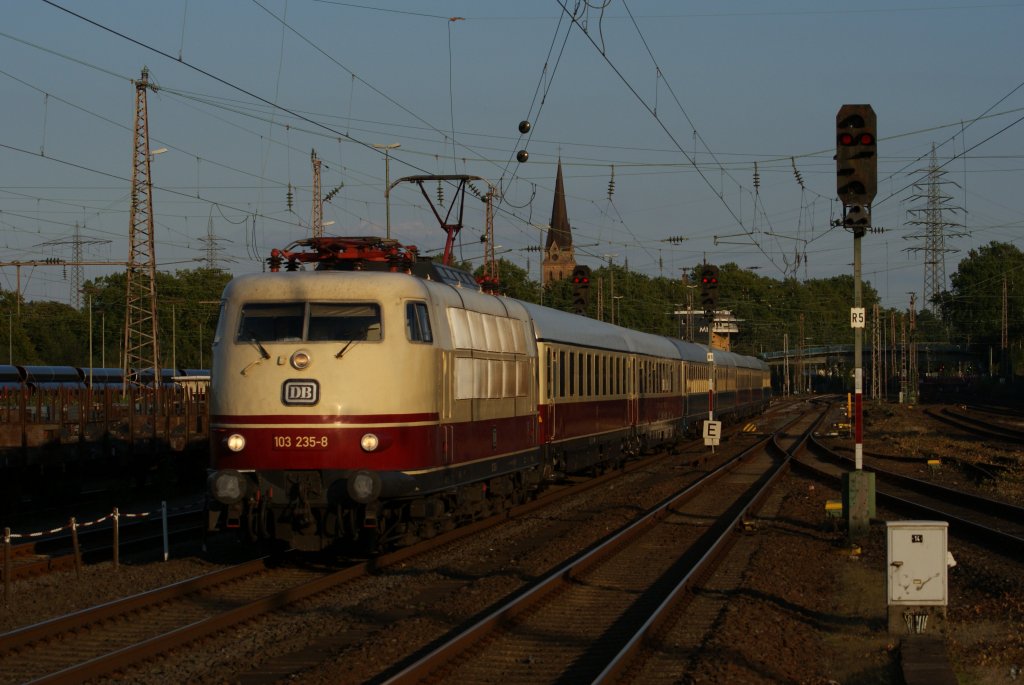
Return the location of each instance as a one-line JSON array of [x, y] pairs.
[[579, 372], [572, 374], [604, 375], [549, 374], [417, 322], [561, 373]]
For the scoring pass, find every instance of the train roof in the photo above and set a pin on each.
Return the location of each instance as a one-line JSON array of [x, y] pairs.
[[10, 377], [557, 326], [52, 376]]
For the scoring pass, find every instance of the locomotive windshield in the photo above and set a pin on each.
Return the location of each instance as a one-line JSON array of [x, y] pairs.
[[312, 321]]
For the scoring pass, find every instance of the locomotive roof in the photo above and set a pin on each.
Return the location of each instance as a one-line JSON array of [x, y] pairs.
[[327, 284]]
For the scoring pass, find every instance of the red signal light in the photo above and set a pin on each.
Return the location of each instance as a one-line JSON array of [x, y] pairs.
[[866, 139], [846, 138]]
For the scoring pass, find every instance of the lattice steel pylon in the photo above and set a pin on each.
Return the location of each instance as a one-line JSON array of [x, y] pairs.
[[936, 229], [141, 346], [316, 220]]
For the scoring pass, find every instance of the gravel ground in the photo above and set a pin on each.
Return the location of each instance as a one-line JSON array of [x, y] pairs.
[[811, 609]]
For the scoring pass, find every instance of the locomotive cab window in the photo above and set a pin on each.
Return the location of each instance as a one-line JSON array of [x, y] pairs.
[[417, 322], [271, 322], [315, 322], [344, 321]]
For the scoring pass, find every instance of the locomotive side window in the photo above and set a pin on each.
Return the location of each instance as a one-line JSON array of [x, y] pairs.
[[341, 322], [417, 322], [270, 322], [221, 319]]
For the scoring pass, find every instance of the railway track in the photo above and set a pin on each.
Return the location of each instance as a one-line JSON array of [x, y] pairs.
[[104, 639], [998, 524], [976, 425], [216, 605], [584, 621]]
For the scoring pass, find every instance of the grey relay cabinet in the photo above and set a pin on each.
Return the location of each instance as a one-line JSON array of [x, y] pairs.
[[917, 576]]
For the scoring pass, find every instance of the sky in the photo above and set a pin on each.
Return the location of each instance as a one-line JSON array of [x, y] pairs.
[[688, 131]]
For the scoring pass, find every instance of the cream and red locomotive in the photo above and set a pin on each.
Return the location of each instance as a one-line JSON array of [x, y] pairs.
[[382, 398]]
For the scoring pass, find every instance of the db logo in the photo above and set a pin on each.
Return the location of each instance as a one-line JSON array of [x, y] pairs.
[[300, 392]]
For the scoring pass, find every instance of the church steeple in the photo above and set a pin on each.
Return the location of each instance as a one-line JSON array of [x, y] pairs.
[[559, 256]]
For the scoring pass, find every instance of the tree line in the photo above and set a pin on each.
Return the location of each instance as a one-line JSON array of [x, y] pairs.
[[771, 312]]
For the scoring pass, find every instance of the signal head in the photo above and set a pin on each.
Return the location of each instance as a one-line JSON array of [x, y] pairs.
[[856, 158]]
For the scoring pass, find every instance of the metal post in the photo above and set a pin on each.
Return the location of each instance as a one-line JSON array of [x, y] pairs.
[[711, 371], [7, 565], [163, 517], [74, 545], [858, 362], [387, 182], [117, 538], [858, 485]]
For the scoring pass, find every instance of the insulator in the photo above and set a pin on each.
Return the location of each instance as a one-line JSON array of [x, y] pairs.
[[334, 191], [291, 197], [757, 179], [796, 172], [611, 183], [440, 193], [473, 189]]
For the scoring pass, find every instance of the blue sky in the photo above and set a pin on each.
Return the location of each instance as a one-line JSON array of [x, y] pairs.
[[682, 99]]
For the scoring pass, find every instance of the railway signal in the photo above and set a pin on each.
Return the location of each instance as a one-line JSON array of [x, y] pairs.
[[709, 288], [580, 289], [856, 184], [856, 164]]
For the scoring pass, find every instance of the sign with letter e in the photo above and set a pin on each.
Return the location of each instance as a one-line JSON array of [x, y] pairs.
[[712, 432]]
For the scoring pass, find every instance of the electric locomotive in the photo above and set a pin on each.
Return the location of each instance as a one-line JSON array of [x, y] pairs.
[[381, 398]]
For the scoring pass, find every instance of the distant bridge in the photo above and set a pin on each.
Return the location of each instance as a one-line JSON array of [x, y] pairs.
[[829, 367]]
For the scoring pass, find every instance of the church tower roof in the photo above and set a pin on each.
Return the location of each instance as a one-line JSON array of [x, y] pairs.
[[559, 232]]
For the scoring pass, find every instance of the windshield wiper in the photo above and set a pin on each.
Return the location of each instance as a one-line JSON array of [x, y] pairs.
[[259, 345], [345, 348]]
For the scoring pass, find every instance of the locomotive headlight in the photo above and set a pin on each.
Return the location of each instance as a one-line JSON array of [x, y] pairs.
[[369, 442], [235, 442], [301, 360]]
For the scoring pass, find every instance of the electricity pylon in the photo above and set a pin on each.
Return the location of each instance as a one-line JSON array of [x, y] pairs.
[[141, 347]]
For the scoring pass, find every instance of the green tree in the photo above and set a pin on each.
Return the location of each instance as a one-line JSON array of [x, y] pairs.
[[58, 332], [973, 306], [18, 347]]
